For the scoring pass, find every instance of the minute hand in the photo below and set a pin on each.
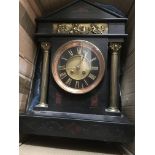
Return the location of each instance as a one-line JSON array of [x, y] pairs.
[[81, 60], [83, 57]]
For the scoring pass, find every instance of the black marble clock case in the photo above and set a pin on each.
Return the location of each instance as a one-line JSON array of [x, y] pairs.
[[92, 102], [77, 116]]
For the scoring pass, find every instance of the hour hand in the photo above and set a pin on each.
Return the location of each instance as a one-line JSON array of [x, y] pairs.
[[64, 67]]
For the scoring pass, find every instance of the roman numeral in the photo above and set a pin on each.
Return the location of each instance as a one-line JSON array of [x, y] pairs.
[[64, 59], [94, 68], [86, 82], [93, 59], [62, 67], [63, 75], [68, 82], [82, 85], [70, 52], [79, 50], [91, 76], [77, 84]]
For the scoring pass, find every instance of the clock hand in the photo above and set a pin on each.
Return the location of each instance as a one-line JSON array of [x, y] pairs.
[[81, 60], [70, 67], [67, 68]]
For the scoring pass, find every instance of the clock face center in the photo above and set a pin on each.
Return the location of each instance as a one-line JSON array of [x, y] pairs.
[[77, 68]]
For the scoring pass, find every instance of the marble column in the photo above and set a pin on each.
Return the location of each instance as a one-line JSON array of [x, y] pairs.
[[44, 80], [113, 105]]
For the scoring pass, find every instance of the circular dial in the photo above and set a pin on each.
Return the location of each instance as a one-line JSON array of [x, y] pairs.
[[78, 66]]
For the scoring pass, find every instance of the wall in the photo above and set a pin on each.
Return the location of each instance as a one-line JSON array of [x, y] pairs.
[[27, 49], [128, 73]]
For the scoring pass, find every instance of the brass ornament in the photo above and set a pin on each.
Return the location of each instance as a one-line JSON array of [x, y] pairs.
[[115, 47], [80, 28], [46, 46]]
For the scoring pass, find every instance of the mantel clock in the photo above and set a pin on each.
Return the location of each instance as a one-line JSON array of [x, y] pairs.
[[75, 89]]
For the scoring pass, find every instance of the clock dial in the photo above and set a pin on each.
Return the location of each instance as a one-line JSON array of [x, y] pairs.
[[78, 66]]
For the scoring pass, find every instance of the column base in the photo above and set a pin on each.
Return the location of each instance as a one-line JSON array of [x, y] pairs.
[[112, 110], [42, 105]]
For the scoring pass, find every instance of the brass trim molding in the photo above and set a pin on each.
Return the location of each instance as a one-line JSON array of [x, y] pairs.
[[80, 28]]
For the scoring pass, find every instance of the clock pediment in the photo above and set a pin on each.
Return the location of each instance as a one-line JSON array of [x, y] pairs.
[[84, 10]]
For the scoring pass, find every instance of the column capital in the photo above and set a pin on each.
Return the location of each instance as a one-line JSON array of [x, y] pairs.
[[46, 46], [115, 47]]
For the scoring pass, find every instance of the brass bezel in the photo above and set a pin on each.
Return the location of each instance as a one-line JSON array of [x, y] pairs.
[[72, 44]]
